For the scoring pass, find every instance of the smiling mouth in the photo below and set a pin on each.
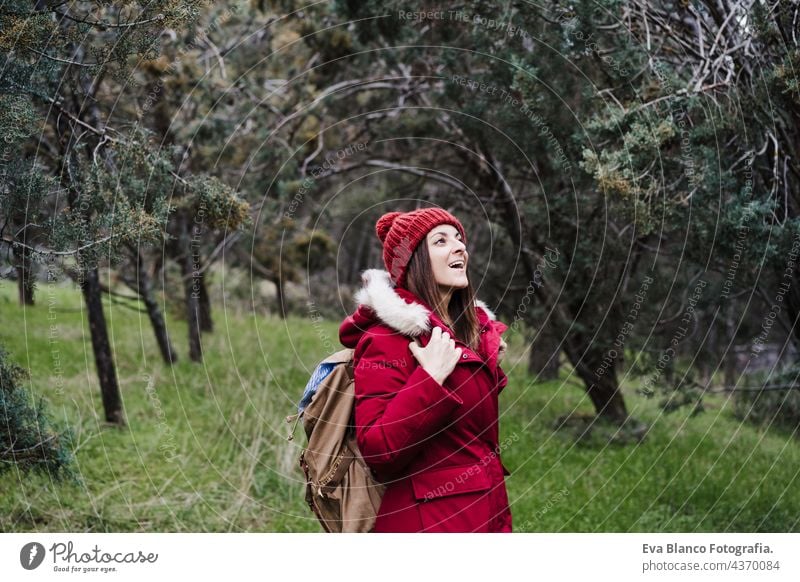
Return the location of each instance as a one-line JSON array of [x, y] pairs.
[[457, 265]]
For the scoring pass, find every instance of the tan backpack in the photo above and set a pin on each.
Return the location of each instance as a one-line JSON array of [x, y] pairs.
[[340, 487]]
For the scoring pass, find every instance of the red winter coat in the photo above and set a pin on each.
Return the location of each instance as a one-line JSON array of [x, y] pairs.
[[435, 447]]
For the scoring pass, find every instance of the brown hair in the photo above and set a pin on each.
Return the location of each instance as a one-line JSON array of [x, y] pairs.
[[460, 311]]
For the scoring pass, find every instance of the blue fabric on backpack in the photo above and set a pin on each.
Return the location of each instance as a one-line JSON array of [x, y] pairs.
[[322, 372]]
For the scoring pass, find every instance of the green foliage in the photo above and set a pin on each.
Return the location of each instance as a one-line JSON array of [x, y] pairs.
[[24, 188], [24, 185], [24, 28], [17, 119], [122, 199], [777, 403], [66, 84], [691, 397], [215, 204], [289, 249], [785, 79], [28, 440], [316, 249], [780, 408]]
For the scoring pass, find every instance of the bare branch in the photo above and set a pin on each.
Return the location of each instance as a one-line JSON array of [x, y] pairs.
[[424, 172], [103, 24], [17, 244], [58, 60]]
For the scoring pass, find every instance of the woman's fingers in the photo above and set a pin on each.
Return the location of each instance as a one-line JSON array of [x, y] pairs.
[[441, 347], [440, 356]]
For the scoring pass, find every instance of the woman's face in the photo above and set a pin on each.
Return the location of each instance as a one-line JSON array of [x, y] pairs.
[[445, 248]]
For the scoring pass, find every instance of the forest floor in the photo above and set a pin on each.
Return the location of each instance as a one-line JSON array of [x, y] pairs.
[[205, 448]]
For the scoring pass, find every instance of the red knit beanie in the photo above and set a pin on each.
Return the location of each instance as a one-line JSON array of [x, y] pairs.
[[401, 232]]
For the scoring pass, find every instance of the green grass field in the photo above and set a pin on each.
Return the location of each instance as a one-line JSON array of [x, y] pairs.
[[205, 447]]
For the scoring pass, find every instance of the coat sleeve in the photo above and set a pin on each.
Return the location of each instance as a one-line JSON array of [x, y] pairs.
[[395, 412]]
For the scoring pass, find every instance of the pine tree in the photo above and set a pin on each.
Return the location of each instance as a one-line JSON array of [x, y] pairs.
[[28, 439]]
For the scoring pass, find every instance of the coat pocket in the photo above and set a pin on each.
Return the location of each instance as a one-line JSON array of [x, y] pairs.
[[453, 499]]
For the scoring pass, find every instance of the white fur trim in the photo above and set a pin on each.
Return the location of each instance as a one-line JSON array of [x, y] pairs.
[[408, 318], [485, 307], [378, 294]]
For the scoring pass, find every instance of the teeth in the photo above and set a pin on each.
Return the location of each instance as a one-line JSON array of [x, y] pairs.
[[458, 264]]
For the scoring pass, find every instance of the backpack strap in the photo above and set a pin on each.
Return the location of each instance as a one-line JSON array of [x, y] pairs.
[[294, 419]]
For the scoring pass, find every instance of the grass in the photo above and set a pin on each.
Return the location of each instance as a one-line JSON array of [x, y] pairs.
[[205, 446]]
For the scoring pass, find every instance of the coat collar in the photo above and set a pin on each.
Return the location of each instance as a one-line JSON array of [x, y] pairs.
[[399, 308]]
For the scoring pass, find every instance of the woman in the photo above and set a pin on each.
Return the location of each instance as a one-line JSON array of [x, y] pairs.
[[426, 410]]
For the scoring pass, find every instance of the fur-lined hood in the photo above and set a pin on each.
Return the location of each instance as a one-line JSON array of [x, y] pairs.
[[379, 301]]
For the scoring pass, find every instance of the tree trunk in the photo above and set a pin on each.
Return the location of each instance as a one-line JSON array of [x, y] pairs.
[[192, 296], [279, 292], [143, 286], [103, 358], [708, 355], [669, 371], [599, 372], [792, 305], [362, 256], [206, 323], [25, 278], [730, 374], [543, 358]]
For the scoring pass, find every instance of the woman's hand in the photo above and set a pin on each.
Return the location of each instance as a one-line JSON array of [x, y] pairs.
[[439, 357]]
